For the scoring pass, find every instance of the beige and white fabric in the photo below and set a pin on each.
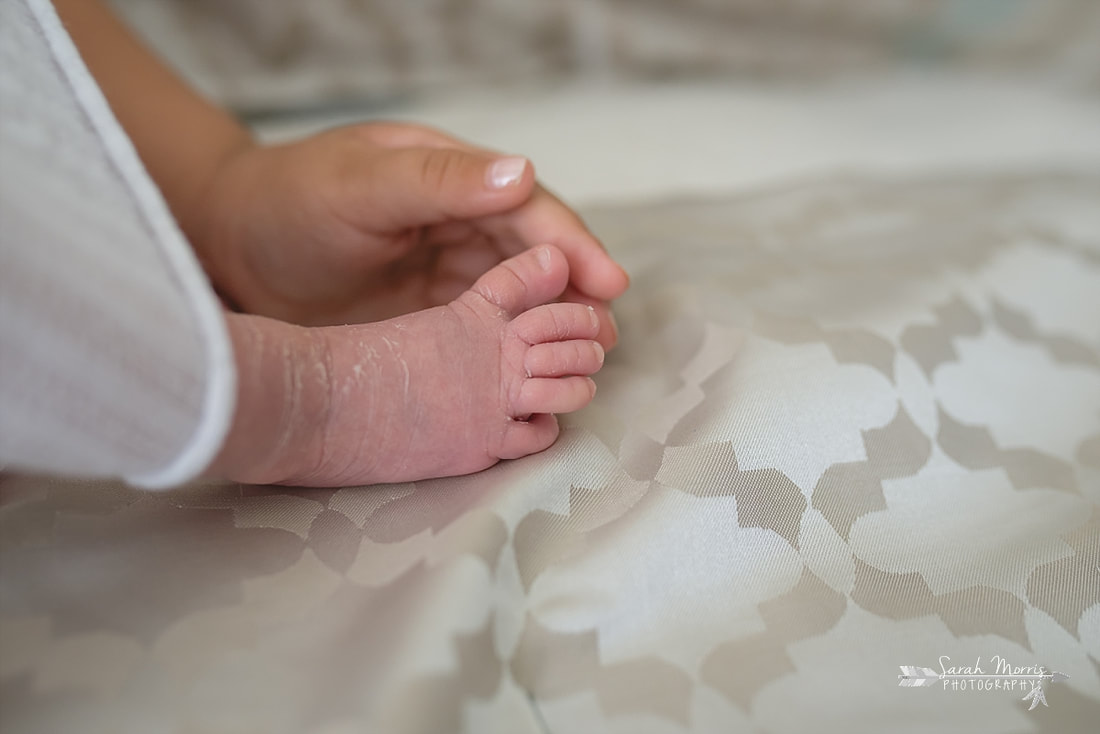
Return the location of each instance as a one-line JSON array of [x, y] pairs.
[[853, 424], [114, 360]]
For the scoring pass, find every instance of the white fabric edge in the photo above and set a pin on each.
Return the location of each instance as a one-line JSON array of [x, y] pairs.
[[219, 401]]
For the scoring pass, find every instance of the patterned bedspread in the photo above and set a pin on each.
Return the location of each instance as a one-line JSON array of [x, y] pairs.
[[853, 425]]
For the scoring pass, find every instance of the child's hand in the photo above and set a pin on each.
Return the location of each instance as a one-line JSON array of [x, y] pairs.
[[366, 222]]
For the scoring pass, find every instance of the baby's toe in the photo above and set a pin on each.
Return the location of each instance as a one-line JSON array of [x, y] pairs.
[[530, 279], [528, 437], [557, 322], [553, 395], [557, 359]]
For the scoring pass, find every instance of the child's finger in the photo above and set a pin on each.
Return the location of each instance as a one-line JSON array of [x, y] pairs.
[[414, 187]]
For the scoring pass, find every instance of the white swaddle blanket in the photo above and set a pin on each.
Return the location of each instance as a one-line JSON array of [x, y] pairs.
[[114, 358]]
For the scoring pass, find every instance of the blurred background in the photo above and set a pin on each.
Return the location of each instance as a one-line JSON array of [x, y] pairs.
[[619, 99]]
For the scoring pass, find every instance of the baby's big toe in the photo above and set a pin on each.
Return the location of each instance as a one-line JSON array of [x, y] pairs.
[[530, 279]]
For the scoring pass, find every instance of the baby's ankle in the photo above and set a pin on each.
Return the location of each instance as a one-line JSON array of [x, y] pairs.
[[283, 396]]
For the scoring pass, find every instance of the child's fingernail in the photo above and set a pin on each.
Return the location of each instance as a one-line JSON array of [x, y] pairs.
[[543, 255], [506, 172]]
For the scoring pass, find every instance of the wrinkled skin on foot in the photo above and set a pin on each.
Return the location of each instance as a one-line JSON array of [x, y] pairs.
[[445, 391]]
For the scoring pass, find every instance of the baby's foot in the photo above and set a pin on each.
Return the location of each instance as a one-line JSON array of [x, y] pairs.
[[441, 392]]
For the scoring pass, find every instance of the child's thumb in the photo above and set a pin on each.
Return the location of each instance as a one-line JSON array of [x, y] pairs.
[[420, 186]]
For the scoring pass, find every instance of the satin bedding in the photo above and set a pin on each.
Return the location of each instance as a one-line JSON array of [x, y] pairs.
[[853, 425]]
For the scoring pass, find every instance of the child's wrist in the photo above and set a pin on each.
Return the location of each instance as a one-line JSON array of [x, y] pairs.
[[209, 218]]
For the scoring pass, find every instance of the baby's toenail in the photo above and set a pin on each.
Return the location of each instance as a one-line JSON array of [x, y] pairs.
[[593, 318], [599, 351], [543, 255]]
